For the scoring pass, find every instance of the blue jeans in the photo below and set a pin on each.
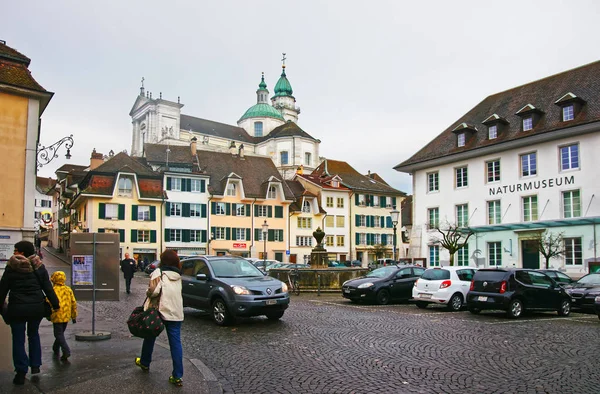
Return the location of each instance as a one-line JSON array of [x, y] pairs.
[[20, 359], [173, 329]]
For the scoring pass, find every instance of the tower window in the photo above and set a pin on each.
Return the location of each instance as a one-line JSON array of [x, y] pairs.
[[258, 129], [284, 158]]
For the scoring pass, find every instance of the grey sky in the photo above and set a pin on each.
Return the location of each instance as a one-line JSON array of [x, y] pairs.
[[375, 80]]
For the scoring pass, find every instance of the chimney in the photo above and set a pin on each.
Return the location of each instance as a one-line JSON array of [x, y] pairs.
[[241, 151], [193, 146], [232, 148], [96, 159]]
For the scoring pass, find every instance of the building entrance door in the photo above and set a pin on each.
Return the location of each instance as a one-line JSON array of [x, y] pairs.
[[530, 254]]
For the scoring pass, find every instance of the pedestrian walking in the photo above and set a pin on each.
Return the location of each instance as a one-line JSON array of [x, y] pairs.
[[27, 285], [164, 293], [60, 318], [128, 266]]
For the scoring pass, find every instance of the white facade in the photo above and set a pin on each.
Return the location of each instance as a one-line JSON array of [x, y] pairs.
[[336, 224], [567, 200], [42, 210]]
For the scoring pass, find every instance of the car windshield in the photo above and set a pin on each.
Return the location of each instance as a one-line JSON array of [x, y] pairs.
[[590, 279], [382, 272], [436, 274], [234, 268]]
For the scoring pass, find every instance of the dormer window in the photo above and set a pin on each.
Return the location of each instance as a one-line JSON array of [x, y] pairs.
[[493, 132], [125, 187], [335, 183], [530, 115], [272, 193], [306, 206], [231, 189], [495, 124], [463, 132], [570, 106]]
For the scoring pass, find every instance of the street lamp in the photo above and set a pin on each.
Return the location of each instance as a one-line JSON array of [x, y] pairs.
[[265, 230], [395, 216], [46, 154]]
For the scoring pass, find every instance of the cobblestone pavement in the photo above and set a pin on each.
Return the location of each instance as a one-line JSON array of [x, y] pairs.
[[328, 345]]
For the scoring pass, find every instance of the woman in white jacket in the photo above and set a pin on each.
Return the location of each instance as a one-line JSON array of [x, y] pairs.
[[164, 293]]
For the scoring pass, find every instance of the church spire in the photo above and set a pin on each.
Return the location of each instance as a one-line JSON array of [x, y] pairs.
[[262, 94]]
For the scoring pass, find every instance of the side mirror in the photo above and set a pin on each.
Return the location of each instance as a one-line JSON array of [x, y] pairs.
[[201, 277]]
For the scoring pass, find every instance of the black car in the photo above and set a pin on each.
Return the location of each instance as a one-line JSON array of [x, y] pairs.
[[151, 267], [559, 277], [394, 282], [231, 287], [597, 305], [584, 291], [516, 291]]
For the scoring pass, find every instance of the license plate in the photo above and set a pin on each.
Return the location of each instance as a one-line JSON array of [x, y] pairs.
[[482, 298], [425, 296], [271, 302]]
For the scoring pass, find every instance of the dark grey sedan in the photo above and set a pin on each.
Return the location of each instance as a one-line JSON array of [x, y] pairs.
[[231, 287]]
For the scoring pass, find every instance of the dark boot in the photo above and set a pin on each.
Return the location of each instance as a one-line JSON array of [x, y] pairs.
[[19, 378]]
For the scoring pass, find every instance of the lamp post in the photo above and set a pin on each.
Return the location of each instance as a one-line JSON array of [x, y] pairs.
[[395, 216], [265, 231], [46, 154]]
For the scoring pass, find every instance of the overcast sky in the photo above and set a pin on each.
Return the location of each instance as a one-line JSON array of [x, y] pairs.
[[375, 80]]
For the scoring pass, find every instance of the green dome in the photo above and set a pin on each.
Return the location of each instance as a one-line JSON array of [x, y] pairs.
[[262, 85], [283, 87], [261, 110]]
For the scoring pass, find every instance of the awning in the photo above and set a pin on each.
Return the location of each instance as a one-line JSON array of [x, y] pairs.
[[539, 225]]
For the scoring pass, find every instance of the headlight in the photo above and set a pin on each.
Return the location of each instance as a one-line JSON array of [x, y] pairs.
[[594, 294], [597, 299], [365, 285], [284, 287], [240, 290]]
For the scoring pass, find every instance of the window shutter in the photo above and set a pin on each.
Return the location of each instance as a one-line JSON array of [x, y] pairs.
[[247, 234], [227, 209], [278, 212], [202, 185], [203, 235], [168, 183], [384, 239], [167, 235], [368, 220], [188, 183], [228, 233], [101, 210], [185, 235], [256, 234], [134, 212], [234, 210], [134, 237], [153, 236], [270, 211], [372, 221], [213, 233], [356, 199], [357, 239], [388, 222], [185, 211], [213, 207], [256, 211], [121, 235], [382, 202], [382, 221], [280, 235], [271, 235], [121, 211], [357, 220], [168, 209], [393, 201], [247, 210], [100, 230], [203, 210], [153, 214]]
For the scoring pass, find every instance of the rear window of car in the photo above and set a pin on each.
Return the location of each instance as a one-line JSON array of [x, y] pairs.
[[489, 276], [436, 274], [590, 279]]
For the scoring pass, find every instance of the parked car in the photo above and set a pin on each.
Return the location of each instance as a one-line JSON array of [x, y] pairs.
[[261, 264], [335, 264], [443, 285], [597, 306], [231, 287], [515, 291], [353, 263], [584, 291], [559, 277], [275, 264], [151, 267], [383, 285]]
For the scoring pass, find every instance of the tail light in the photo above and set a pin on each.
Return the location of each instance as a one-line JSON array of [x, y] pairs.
[[472, 285], [445, 284], [415, 285], [503, 287]]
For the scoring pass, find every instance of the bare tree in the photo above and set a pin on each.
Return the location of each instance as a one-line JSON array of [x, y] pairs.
[[453, 238], [379, 250], [548, 244]]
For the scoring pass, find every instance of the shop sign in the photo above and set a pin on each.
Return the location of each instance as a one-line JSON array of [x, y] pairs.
[[239, 245]]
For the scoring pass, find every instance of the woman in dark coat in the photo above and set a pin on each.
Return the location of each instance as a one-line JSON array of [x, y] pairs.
[[27, 285]]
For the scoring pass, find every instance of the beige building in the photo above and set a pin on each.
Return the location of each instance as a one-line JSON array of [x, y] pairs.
[[22, 102]]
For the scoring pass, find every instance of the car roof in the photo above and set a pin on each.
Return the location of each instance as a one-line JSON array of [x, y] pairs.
[[452, 268]]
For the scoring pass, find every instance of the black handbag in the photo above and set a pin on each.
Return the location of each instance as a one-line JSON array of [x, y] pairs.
[[47, 306], [145, 323]]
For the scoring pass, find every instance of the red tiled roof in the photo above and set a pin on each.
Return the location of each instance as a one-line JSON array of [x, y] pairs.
[[583, 81], [44, 184], [12, 54]]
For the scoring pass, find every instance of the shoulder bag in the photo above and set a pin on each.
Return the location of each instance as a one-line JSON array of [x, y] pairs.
[[47, 306], [146, 323]]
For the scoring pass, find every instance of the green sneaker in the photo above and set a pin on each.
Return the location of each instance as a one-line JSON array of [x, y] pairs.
[[176, 381], [138, 362]]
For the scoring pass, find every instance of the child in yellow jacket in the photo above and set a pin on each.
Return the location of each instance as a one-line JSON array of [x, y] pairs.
[[60, 318]]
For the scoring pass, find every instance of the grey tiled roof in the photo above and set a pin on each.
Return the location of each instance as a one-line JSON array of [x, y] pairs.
[[217, 129]]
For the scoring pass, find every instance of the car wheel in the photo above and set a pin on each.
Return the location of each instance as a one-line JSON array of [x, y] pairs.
[[220, 313], [421, 304], [515, 309], [455, 303], [475, 311], [565, 308], [274, 315], [383, 297]]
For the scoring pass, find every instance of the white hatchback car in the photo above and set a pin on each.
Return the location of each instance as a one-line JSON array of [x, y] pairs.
[[443, 285]]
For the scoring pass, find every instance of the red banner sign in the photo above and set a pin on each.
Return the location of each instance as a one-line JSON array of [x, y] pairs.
[[237, 245]]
